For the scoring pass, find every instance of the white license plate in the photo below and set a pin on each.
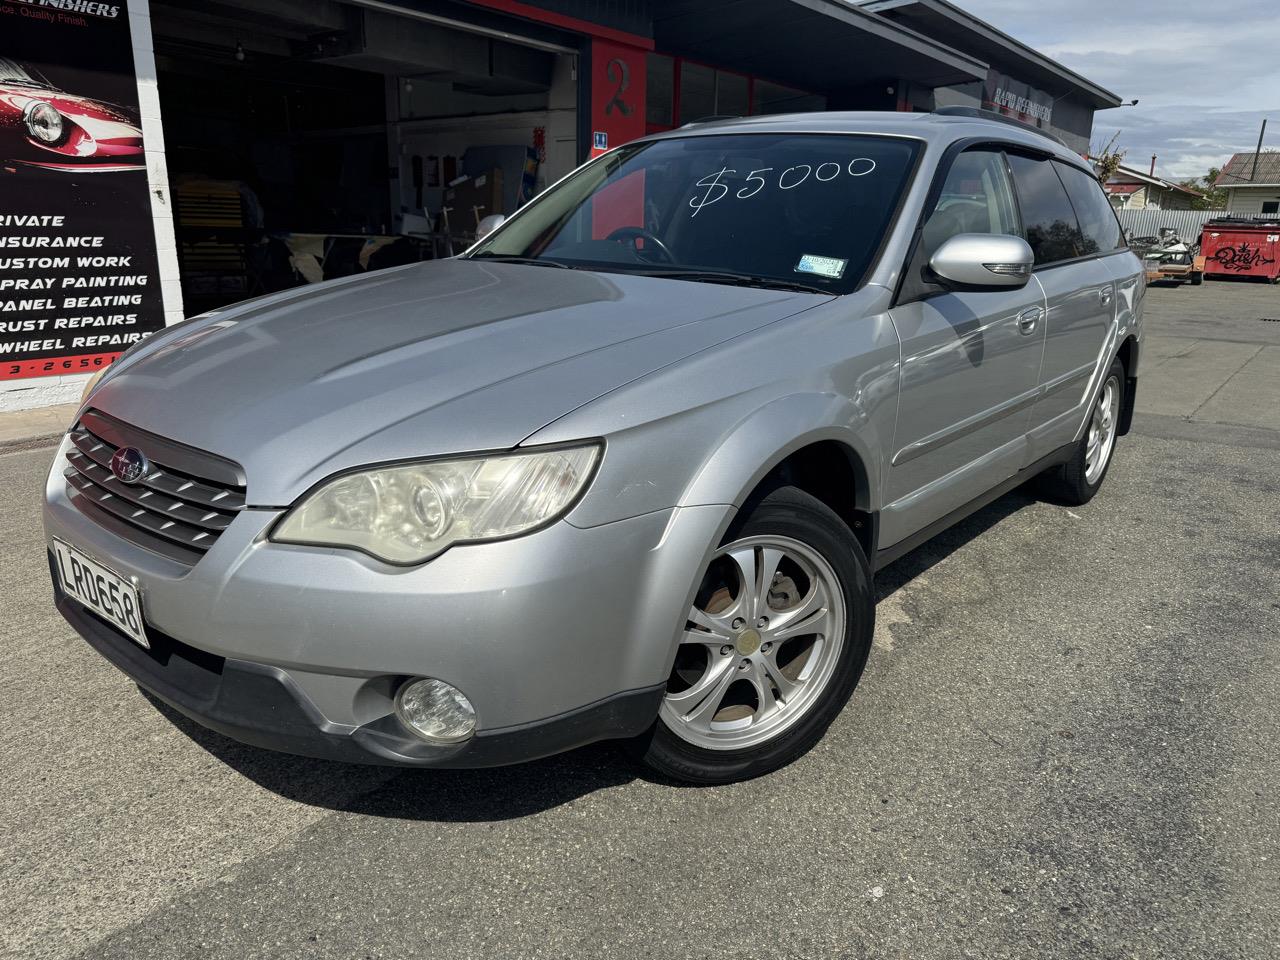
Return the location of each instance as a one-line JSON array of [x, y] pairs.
[[107, 594]]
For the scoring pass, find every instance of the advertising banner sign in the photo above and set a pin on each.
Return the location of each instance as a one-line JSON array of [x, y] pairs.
[[1016, 99], [79, 282]]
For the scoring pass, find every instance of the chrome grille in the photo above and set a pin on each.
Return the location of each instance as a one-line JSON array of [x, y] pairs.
[[178, 509]]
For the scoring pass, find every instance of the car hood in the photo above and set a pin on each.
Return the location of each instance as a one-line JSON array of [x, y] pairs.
[[439, 358]]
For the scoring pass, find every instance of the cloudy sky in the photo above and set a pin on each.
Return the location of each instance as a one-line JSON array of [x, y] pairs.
[[1205, 72]]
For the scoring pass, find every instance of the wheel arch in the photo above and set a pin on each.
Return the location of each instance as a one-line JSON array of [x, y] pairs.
[[832, 460], [1128, 357]]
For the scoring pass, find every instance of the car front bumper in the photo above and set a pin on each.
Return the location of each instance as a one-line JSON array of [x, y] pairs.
[[559, 638]]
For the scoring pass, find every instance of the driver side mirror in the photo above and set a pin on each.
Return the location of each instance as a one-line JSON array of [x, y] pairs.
[[983, 261], [489, 224]]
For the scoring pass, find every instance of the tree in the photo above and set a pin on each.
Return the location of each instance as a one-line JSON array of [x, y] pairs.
[[1107, 160], [1213, 198]]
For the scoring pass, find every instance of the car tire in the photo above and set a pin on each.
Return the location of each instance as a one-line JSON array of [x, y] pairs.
[[1075, 482], [1197, 278], [818, 577]]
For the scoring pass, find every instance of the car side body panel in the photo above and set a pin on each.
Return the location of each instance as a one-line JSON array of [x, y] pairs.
[[969, 373], [1130, 281], [1079, 329], [1083, 336]]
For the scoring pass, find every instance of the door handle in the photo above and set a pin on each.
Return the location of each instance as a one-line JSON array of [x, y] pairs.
[[1028, 320], [1104, 295]]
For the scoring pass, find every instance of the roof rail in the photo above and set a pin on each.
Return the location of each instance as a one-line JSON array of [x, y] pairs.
[[714, 118], [976, 113]]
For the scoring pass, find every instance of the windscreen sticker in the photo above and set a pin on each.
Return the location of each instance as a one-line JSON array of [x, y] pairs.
[[822, 266]]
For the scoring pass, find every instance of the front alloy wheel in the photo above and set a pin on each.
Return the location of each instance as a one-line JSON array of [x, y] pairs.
[[761, 643], [773, 645]]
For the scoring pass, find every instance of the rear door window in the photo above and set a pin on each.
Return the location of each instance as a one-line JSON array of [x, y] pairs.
[[1052, 229], [1098, 221]]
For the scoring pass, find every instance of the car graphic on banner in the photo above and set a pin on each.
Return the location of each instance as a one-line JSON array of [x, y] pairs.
[[50, 129]]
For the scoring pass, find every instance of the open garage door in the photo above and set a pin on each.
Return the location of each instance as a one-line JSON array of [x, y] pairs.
[[307, 141]]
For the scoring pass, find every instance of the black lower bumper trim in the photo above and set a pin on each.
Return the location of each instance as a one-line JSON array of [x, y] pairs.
[[261, 705]]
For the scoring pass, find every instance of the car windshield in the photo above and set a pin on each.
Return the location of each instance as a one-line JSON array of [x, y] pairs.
[[13, 72], [802, 211]]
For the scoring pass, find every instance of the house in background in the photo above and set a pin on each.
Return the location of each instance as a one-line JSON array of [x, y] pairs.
[[1130, 189], [1251, 190]]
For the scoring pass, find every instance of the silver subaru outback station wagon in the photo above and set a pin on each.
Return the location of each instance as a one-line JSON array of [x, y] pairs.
[[625, 469]]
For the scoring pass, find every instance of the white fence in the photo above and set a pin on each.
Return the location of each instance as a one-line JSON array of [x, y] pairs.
[[1147, 222]]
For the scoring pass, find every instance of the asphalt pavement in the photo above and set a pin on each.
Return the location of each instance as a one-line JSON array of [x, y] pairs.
[[1064, 746]]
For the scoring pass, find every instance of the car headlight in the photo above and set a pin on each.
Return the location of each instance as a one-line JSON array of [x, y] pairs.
[[44, 122], [408, 514]]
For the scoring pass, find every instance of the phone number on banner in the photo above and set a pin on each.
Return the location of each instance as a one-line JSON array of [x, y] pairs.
[[86, 363]]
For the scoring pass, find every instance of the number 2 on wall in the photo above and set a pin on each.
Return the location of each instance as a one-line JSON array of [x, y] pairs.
[[620, 73]]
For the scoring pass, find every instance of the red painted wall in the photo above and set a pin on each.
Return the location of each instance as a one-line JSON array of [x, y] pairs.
[[617, 94]]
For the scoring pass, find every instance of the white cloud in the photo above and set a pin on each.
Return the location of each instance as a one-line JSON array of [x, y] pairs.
[[1204, 82]]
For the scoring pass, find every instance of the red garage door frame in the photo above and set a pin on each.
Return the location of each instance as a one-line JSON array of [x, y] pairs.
[[565, 22]]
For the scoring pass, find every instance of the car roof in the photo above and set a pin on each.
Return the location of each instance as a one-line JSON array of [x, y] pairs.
[[933, 128]]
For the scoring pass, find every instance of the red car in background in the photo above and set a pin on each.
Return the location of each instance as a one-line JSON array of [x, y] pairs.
[[44, 128]]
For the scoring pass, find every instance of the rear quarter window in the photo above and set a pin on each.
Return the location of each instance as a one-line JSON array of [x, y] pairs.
[[1098, 222]]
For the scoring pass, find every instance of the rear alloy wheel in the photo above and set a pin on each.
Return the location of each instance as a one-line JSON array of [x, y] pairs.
[[1076, 481], [1100, 438], [774, 643]]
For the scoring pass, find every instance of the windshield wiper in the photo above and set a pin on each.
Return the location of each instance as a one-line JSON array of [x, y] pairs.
[[736, 279], [512, 258]]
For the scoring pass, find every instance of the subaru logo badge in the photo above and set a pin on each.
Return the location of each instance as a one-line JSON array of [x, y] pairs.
[[129, 464]]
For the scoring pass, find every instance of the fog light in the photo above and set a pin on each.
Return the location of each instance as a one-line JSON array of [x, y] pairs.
[[435, 711]]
